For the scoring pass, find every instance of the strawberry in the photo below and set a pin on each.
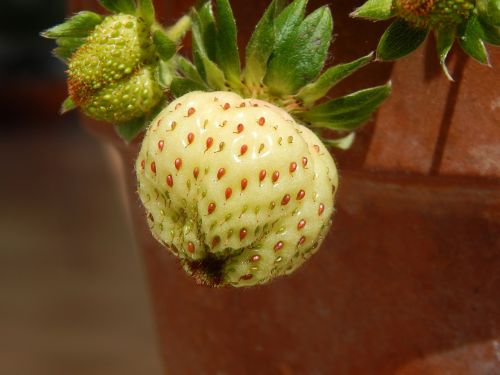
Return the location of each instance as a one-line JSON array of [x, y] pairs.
[[120, 65], [232, 176], [470, 22], [235, 188]]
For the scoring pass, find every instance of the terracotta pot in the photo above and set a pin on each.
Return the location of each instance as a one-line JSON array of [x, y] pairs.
[[408, 281]]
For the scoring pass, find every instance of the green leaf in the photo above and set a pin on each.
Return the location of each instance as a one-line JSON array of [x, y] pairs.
[[227, 56], [203, 35], [489, 11], [181, 86], [165, 47], [471, 40], [187, 69], [260, 47], [375, 10], [78, 26], [132, 129], [300, 58], [165, 73], [399, 40], [207, 68], [445, 37], [119, 6], [318, 89], [146, 10], [343, 143], [289, 20], [491, 34], [350, 111], [67, 106], [67, 46]]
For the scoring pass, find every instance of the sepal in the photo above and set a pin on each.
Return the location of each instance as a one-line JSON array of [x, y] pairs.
[[165, 47], [301, 56], [350, 111], [314, 91], [227, 57], [374, 10], [343, 143], [471, 41], [78, 26], [119, 6], [67, 105], [260, 46], [445, 37], [181, 86], [399, 40]]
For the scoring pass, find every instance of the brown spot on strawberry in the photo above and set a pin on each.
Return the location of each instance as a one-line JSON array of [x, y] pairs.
[[279, 245], [243, 233], [261, 147], [160, 144], [321, 209], [143, 164], [304, 161], [196, 172], [301, 224], [240, 128], [178, 105], [170, 180], [190, 138], [173, 125], [243, 150], [301, 194], [301, 240], [190, 247], [153, 167], [293, 167], [226, 106], [261, 121], [228, 193], [211, 208], [285, 200], [316, 147], [191, 111], [276, 176], [178, 163], [220, 173]]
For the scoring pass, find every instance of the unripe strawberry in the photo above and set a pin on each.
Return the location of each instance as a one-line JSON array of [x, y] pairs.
[[235, 188], [434, 13], [117, 60]]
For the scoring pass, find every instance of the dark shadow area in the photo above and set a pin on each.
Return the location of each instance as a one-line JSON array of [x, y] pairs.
[[449, 111]]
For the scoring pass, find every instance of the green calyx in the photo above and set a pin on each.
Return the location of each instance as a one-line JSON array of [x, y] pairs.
[[471, 22], [284, 63], [118, 65]]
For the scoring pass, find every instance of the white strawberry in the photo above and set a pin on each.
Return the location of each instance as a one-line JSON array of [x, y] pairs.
[[238, 189], [235, 187]]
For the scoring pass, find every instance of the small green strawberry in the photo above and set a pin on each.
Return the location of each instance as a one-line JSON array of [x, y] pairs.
[[472, 22], [119, 65], [235, 188], [233, 180]]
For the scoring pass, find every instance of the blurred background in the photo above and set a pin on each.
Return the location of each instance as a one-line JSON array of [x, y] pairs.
[[73, 298]]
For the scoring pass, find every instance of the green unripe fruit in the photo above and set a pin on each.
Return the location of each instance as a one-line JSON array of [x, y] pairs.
[[434, 13], [126, 99], [117, 61]]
